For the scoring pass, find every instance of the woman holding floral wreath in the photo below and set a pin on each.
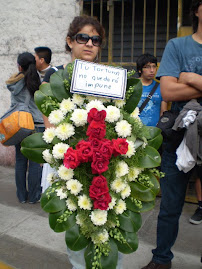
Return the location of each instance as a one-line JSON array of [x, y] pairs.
[[84, 40], [104, 159]]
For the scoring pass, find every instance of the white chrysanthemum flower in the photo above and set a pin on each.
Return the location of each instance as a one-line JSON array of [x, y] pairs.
[[98, 217], [135, 113], [118, 185], [112, 203], [49, 134], [121, 169], [84, 202], [103, 99], [66, 105], [144, 145], [113, 114], [95, 104], [78, 99], [64, 131], [65, 173], [91, 98], [47, 156], [134, 173], [71, 204], [119, 103], [126, 192], [120, 207], [61, 193], [79, 117], [59, 150], [79, 220], [51, 177], [131, 149], [74, 186], [123, 128], [100, 237], [56, 116]]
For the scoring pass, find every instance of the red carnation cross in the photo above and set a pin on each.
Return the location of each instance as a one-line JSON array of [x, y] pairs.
[[97, 150]]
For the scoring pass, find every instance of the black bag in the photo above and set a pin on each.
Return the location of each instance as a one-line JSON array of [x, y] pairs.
[[166, 123]]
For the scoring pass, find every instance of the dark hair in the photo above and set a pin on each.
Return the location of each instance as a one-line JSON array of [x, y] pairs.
[[44, 52], [193, 9], [28, 64], [79, 22], [144, 59]]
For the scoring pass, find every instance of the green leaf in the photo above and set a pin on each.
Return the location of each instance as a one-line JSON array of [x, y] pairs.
[[156, 142], [154, 181], [33, 146], [42, 96], [146, 206], [142, 193], [61, 227], [131, 244], [152, 132], [74, 239], [66, 73], [57, 86], [130, 221], [150, 159], [134, 99], [107, 262], [53, 203]]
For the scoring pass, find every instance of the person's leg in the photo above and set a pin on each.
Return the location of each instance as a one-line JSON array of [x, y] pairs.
[[197, 216], [173, 188], [34, 177], [20, 174], [34, 182]]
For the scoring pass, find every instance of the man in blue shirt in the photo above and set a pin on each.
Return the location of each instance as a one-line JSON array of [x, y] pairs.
[[180, 76], [146, 68]]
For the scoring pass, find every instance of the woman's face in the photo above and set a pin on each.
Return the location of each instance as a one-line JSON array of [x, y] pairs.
[[88, 51]]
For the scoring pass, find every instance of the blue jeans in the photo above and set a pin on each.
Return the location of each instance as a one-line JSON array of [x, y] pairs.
[[173, 188], [33, 192]]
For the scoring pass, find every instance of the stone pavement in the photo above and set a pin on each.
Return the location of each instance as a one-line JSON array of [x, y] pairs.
[[27, 242]]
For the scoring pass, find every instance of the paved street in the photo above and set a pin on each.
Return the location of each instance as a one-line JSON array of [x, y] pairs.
[[27, 242]]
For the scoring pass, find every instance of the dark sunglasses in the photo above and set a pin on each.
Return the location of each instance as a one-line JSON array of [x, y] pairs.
[[84, 38]]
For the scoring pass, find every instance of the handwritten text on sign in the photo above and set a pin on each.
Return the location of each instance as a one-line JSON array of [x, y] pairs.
[[98, 80]]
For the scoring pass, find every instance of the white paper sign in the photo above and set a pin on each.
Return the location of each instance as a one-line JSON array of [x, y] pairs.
[[98, 80]]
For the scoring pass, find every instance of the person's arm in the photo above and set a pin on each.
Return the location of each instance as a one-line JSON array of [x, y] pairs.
[[192, 79], [164, 107], [172, 90], [47, 123]]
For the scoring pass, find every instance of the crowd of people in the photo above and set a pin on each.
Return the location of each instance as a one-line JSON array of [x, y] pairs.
[[180, 75]]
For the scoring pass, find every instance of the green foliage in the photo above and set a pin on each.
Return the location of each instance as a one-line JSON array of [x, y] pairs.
[[150, 159], [105, 262], [45, 100], [133, 94], [51, 203], [131, 242], [141, 207], [74, 239], [33, 146], [142, 193], [130, 221], [60, 226]]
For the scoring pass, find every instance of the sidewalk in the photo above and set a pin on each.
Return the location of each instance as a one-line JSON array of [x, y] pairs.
[[27, 242]]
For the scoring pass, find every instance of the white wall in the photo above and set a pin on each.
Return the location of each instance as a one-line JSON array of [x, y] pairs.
[[26, 24]]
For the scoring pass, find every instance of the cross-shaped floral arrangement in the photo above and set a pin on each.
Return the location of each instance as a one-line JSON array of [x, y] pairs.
[[97, 150]]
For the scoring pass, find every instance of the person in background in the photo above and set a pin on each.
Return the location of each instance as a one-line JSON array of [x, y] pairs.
[[180, 74], [146, 68], [43, 59], [197, 216], [21, 85]]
